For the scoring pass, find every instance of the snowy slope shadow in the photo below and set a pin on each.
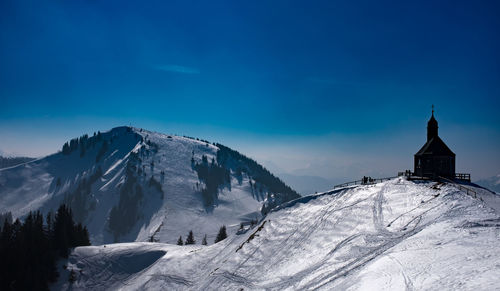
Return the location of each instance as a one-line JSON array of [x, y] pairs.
[[114, 268]]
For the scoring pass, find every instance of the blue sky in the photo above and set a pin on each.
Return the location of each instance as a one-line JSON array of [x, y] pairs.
[[336, 89]]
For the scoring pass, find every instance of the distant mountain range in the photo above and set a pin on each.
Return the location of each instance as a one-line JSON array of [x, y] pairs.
[[491, 183], [306, 185], [6, 162], [130, 184]]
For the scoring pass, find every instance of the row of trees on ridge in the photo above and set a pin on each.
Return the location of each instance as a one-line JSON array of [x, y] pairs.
[[222, 235]]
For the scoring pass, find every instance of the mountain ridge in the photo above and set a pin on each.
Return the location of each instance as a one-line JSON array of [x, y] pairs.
[[130, 184]]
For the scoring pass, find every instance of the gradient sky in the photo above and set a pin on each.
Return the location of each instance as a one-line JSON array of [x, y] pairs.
[[337, 89]]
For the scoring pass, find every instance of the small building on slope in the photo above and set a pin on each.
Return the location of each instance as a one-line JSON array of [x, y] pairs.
[[434, 159]]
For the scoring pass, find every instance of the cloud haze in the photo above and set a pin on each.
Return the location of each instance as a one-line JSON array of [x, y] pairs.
[[177, 69]]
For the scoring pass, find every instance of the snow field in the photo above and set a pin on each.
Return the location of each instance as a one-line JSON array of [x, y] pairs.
[[393, 235]]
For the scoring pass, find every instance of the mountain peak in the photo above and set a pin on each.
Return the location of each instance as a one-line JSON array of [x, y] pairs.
[[131, 184]]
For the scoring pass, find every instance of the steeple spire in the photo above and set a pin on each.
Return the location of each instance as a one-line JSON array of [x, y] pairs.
[[432, 126]]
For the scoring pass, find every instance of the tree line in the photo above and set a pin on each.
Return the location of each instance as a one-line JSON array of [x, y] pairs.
[[221, 235], [83, 143], [29, 250]]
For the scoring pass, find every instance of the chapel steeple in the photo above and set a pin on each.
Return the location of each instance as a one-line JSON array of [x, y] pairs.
[[432, 127], [434, 159]]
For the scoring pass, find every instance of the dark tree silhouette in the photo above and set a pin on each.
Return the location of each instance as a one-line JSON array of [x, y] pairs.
[[29, 250], [102, 151], [204, 241], [67, 234], [214, 177], [222, 235], [190, 238]]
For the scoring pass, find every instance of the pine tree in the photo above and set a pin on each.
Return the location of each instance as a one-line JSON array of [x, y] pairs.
[[50, 225], [67, 234], [65, 149], [81, 235], [204, 241], [179, 241], [63, 224], [190, 238], [222, 235], [28, 261]]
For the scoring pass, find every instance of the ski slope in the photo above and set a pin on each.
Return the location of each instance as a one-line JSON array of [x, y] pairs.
[[395, 235]]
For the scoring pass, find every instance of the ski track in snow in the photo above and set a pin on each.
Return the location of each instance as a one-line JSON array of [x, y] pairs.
[[395, 235]]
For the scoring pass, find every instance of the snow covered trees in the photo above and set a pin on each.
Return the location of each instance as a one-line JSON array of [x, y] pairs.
[[222, 235]]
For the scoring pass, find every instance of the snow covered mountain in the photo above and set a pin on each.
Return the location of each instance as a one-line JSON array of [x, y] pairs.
[[130, 184], [393, 235]]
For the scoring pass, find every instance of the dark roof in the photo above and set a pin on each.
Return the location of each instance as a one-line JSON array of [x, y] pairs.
[[436, 147]]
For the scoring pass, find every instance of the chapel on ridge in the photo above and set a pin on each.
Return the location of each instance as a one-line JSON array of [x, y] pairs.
[[434, 159]]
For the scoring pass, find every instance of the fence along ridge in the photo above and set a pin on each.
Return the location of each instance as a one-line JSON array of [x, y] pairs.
[[370, 181]]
